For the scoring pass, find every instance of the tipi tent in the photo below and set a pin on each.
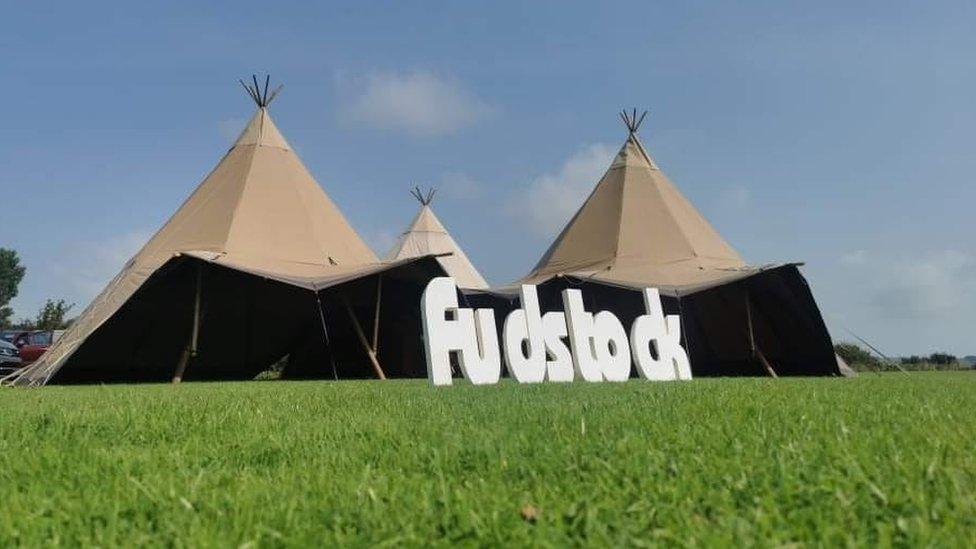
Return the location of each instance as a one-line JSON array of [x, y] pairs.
[[258, 263], [426, 235], [637, 230]]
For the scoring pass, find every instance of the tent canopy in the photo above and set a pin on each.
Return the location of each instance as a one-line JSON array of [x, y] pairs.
[[426, 235], [258, 212], [636, 229]]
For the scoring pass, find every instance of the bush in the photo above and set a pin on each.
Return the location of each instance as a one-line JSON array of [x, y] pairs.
[[857, 357]]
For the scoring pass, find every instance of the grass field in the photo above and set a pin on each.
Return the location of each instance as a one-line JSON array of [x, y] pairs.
[[878, 459]]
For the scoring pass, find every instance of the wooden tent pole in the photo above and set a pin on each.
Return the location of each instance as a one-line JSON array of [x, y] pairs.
[[376, 316], [191, 349], [181, 365], [765, 363], [756, 351], [684, 331], [363, 340], [325, 332]]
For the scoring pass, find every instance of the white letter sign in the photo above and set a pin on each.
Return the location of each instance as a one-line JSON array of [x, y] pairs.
[[665, 335], [525, 347], [534, 343], [476, 345]]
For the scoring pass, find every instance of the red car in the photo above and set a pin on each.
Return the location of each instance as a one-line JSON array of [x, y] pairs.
[[32, 344]]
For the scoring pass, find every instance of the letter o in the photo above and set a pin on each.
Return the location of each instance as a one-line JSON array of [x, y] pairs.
[[611, 347]]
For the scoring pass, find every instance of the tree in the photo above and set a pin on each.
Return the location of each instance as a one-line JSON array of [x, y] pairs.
[[52, 315], [11, 273], [942, 359], [855, 356]]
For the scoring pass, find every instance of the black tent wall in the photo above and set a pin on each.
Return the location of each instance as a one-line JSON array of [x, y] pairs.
[[248, 323], [400, 349], [787, 327]]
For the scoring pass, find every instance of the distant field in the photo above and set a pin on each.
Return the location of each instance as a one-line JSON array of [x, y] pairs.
[[879, 459]]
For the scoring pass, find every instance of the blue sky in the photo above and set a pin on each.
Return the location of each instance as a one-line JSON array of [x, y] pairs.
[[837, 133]]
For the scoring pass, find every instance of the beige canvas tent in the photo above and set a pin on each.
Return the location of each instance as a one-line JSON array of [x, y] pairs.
[[637, 230], [257, 263], [426, 235]]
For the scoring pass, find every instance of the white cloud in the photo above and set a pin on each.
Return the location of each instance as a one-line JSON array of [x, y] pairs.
[[933, 285], [549, 201], [459, 185], [86, 267], [417, 103]]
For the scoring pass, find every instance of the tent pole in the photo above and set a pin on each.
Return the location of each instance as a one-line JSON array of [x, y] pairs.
[[325, 333], [363, 340], [684, 331], [756, 351], [181, 365], [765, 363], [191, 349], [376, 317], [248, 310]]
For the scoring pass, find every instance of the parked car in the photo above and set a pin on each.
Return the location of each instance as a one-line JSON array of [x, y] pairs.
[[32, 344], [9, 357]]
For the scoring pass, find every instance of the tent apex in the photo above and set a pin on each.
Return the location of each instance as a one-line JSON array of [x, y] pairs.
[[261, 97], [424, 198], [631, 120]]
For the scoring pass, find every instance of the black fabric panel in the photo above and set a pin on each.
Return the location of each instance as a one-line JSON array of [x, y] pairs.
[[248, 323], [787, 326], [400, 348]]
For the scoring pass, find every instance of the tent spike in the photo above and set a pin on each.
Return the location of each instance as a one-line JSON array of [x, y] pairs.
[[274, 94], [249, 92], [424, 198], [262, 97], [257, 89], [629, 120], [640, 121]]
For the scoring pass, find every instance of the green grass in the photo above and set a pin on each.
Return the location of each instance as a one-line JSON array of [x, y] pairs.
[[875, 460]]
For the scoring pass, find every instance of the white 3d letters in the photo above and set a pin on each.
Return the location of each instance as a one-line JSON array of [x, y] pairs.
[[580, 324], [524, 326], [559, 365], [535, 346], [477, 345], [664, 334], [610, 344]]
